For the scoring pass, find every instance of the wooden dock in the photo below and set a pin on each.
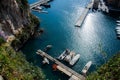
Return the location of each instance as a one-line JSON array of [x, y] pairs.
[[84, 14], [38, 3], [68, 71]]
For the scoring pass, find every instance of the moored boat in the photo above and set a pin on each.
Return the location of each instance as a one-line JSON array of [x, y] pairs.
[[48, 47], [64, 54], [118, 24], [45, 61], [69, 57], [118, 21], [74, 59], [86, 67], [118, 27], [117, 30]]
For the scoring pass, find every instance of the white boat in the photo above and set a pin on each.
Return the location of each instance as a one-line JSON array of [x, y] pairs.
[[48, 47], [74, 59], [117, 30], [86, 67], [45, 61], [64, 54], [118, 21], [118, 24], [69, 57], [118, 27], [118, 33], [118, 36]]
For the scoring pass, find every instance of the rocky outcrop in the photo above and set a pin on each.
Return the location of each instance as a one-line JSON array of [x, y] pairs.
[[16, 21], [113, 3], [14, 16]]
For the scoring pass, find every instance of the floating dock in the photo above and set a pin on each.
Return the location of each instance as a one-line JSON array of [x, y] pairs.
[[84, 14], [61, 67], [38, 3]]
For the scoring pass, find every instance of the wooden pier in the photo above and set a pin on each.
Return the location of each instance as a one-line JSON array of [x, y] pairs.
[[38, 3], [71, 73], [84, 14]]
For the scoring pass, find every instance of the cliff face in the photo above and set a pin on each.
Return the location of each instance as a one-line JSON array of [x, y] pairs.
[[113, 3], [17, 24], [14, 16]]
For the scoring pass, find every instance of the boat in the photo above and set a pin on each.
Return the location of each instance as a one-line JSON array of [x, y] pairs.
[[45, 61], [64, 54], [117, 30], [86, 67], [118, 36], [118, 21], [118, 27], [118, 24], [48, 47], [74, 59], [37, 8], [69, 57]]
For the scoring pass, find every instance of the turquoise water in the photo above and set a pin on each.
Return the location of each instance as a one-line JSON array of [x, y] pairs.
[[97, 31]]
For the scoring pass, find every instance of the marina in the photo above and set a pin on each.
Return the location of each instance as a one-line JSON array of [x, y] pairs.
[[71, 73], [98, 28]]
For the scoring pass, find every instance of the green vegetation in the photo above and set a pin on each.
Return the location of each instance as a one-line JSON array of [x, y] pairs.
[[34, 19], [2, 41], [108, 71], [13, 66]]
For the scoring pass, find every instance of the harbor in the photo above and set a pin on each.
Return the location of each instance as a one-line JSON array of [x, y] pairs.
[[73, 75], [59, 31]]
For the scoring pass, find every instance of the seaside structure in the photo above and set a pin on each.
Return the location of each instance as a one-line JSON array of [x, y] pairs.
[[61, 67], [84, 14]]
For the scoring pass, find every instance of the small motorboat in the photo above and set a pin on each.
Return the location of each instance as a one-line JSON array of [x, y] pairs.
[[37, 8], [118, 36], [64, 54], [48, 47], [45, 61], [118, 27], [86, 67], [118, 32], [69, 57], [74, 59], [118, 21], [118, 24]]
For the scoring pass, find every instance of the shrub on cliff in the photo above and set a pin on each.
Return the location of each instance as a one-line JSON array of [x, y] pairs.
[[109, 71], [2, 40], [13, 66]]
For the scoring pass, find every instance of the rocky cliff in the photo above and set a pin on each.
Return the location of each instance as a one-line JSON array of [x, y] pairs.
[[113, 3], [16, 21]]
